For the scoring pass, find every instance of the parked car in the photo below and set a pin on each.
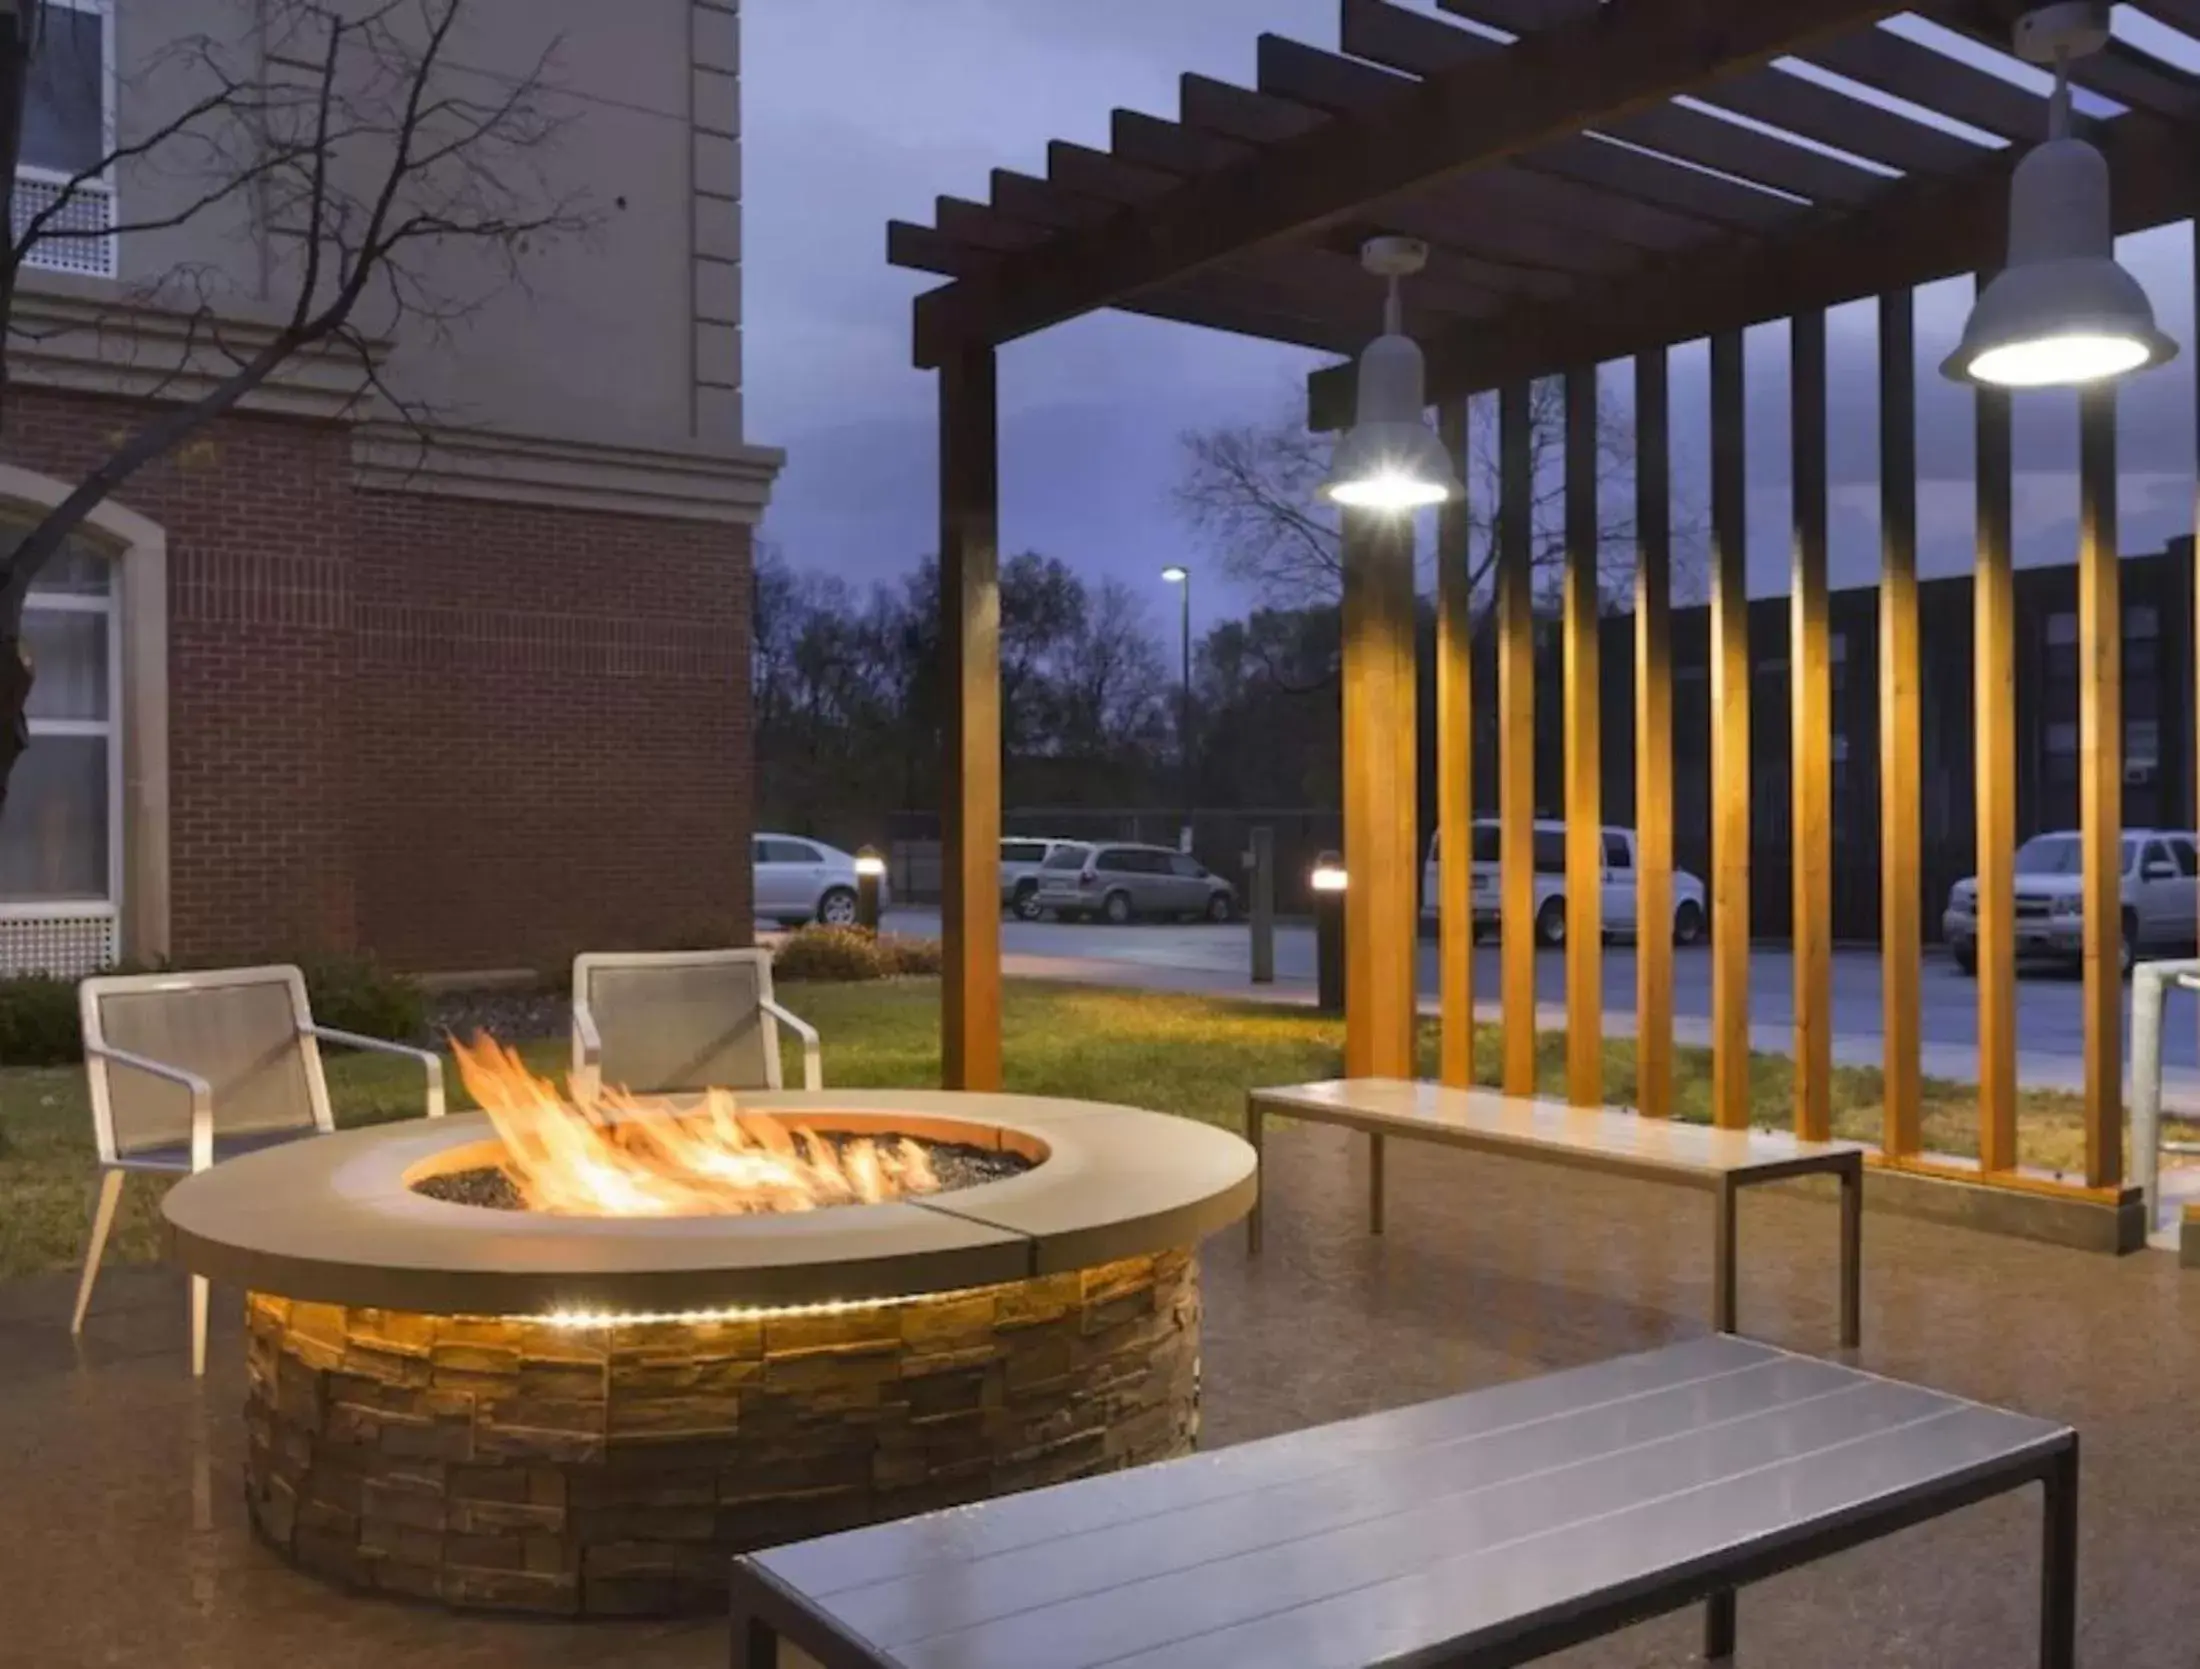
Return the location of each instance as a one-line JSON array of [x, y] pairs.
[[800, 880], [2160, 886], [1119, 882], [1620, 866], [1021, 856]]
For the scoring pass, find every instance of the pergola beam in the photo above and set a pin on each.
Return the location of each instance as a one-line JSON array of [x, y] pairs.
[[1550, 85], [1921, 230]]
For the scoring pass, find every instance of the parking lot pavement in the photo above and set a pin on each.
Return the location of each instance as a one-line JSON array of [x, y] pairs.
[[1217, 958]]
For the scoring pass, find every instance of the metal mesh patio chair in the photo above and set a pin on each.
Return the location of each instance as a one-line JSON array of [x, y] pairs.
[[2151, 983], [673, 1021], [189, 1069]]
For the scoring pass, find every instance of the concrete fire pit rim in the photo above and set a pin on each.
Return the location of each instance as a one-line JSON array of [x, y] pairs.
[[332, 1220]]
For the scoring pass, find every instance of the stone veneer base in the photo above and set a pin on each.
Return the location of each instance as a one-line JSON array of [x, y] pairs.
[[506, 1463]]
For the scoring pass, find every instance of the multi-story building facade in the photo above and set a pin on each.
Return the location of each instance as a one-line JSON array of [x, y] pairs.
[[464, 690]]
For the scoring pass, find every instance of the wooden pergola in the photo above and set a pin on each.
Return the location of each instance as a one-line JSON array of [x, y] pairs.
[[1589, 195]]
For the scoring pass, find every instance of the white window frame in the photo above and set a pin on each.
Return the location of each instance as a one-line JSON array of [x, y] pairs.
[[104, 179], [108, 729]]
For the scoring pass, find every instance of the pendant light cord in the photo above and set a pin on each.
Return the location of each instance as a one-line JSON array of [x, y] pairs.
[[1394, 310], [2058, 103]]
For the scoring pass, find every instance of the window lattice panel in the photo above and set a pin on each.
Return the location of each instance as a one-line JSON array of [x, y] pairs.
[[68, 947], [78, 239]]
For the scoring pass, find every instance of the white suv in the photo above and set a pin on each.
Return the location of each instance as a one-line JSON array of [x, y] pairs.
[[2160, 887], [1618, 896], [1021, 858]]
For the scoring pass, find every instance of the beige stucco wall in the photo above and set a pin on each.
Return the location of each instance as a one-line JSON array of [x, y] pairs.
[[627, 334]]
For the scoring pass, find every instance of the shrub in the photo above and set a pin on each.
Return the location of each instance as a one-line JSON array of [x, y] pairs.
[[829, 953], [357, 994], [911, 956], [852, 953], [38, 1024], [39, 1027]]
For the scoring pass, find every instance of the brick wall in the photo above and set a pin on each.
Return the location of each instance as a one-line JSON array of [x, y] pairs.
[[455, 734]]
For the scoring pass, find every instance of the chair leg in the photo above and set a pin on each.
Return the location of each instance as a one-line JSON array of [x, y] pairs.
[[103, 1219], [198, 1326]]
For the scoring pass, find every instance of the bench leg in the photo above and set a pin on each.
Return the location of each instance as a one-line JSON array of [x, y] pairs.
[[2059, 1564], [1718, 1627], [1253, 1133], [1374, 1185], [1852, 1256], [1725, 1288], [755, 1645]]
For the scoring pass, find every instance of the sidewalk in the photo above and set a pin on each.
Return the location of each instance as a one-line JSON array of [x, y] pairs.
[[2036, 1069]]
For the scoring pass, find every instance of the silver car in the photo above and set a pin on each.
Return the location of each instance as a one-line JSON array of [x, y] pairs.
[[1120, 882], [1021, 858], [2160, 887], [799, 880]]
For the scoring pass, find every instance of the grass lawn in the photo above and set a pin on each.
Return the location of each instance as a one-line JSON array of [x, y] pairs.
[[1180, 1054]]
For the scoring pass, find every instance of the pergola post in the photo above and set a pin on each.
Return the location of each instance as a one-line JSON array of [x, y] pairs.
[[1653, 738], [1810, 707], [1730, 1106], [970, 641], [1584, 799], [1380, 804], [1995, 724], [1901, 779], [1455, 766], [1516, 733], [2101, 783]]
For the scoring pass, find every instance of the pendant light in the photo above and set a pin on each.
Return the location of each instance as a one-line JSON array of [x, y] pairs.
[[2061, 313], [1390, 459]]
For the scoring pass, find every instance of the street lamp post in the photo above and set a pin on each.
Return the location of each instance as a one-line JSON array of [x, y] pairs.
[[1181, 577]]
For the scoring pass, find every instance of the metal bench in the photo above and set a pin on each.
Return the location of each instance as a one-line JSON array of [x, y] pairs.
[[1597, 1139], [1483, 1530]]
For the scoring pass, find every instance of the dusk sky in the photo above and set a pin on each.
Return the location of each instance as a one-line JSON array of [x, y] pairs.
[[861, 111]]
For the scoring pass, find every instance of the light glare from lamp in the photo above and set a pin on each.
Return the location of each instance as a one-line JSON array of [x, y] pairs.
[[1327, 879], [870, 864], [2054, 361], [1176, 575], [1389, 490]]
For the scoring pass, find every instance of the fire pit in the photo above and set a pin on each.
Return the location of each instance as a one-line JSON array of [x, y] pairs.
[[579, 1396]]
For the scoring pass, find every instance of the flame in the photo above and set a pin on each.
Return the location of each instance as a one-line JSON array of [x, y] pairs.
[[621, 1155]]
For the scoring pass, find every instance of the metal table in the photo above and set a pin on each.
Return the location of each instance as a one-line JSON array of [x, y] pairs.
[[1483, 1530], [1584, 1138]]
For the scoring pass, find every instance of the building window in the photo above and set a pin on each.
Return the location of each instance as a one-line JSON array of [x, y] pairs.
[[61, 833], [68, 132]]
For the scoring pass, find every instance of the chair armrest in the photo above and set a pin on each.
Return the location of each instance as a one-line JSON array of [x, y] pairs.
[[430, 1062], [586, 1076], [813, 1063], [202, 1095]]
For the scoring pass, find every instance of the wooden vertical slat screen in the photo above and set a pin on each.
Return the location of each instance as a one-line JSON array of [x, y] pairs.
[[1455, 765], [1380, 818], [970, 610], [1653, 739], [1810, 671], [1901, 780], [2101, 782], [1995, 723], [1730, 1104], [1584, 803], [1359, 787], [1516, 733]]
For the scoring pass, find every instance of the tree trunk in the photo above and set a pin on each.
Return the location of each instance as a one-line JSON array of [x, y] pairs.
[[15, 696]]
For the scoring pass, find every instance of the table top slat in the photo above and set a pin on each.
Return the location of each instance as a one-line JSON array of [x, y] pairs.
[[1608, 1135], [831, 1565], [1421, 1483], [1389, 1539]]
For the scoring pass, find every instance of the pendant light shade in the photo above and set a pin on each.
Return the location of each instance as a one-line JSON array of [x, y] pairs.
[[1390, 459], [2061, 313]]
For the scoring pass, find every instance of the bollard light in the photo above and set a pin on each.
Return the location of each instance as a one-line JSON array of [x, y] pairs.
[[1329, 886], [870, 873]]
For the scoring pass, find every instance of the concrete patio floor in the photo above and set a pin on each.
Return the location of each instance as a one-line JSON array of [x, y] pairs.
[[122, 1529]]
